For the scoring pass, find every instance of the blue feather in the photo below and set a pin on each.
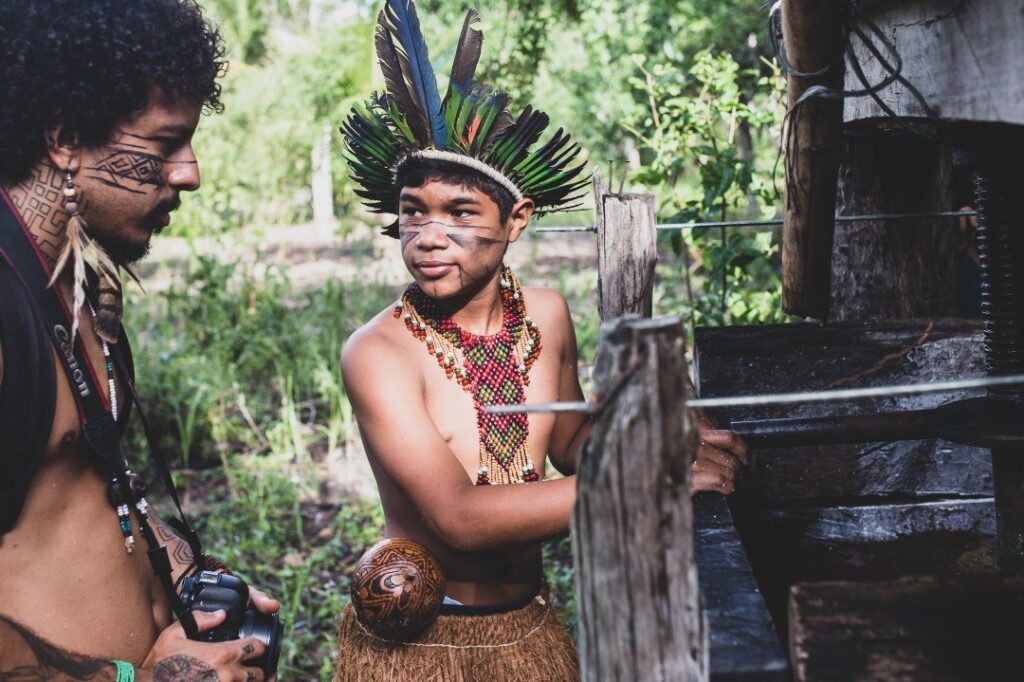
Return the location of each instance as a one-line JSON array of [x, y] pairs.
[[407, 29]]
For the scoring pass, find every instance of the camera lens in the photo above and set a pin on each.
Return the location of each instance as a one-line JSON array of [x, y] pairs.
[[267, 629]]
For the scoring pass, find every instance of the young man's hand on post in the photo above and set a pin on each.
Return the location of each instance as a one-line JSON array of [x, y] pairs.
[[720, 455]]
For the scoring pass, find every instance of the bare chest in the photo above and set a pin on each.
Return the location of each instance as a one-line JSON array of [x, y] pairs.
[[66, 573]]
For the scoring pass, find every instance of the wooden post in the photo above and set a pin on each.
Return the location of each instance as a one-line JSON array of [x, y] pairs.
[[626, 253], [899, 269], [640, 613], [812, 31]]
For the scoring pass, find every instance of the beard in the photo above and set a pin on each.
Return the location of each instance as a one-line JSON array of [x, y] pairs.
[[122, 250], [125, 250]]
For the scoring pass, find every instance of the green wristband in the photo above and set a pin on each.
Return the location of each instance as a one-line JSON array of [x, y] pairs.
[[125, 671]]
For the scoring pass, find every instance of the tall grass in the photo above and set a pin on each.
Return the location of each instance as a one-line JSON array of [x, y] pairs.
[[239, 363]]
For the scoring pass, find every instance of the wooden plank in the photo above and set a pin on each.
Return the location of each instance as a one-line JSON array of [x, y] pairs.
[[965, 57], [895, 269], [866, 542], [639, 608], [777, 358], [812, 31], [627, 252], [965, 628], [744, 645]]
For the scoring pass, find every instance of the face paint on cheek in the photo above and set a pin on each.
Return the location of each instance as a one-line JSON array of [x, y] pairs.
[[406, 236], [128, 169], [472, 243]]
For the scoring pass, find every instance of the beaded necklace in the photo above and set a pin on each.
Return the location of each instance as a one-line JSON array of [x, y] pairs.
[[495, 370], [136, 486]]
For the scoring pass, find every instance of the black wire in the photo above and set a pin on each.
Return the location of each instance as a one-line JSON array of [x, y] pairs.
[[892, 66]]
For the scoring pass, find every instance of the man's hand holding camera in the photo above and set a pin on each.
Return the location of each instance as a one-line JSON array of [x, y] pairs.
[[175, 657]]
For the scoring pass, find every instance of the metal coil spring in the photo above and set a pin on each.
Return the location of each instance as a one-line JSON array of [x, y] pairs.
[[1001, 259]]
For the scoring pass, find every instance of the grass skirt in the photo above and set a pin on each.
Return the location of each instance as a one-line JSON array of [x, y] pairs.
[[524, 645]]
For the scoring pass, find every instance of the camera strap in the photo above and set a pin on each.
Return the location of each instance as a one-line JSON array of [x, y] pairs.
[[100, 431]]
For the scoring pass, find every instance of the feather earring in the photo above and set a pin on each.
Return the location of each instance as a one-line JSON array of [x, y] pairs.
[[82, 251]]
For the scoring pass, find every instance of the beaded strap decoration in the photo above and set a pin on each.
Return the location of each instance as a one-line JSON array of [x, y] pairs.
[[495, 370]]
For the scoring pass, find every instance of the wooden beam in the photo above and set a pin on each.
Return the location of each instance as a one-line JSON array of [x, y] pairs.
[[779, 358], [744, 645], [626, 254], [935, 629], [964, 57], [895, 269], [640, 617], [866, 542], [812, 32]]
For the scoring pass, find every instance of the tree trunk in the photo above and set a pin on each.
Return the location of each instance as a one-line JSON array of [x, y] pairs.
[[323, 181], [812, 31]]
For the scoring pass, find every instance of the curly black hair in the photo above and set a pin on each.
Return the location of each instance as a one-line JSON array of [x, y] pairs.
[[90, 64]]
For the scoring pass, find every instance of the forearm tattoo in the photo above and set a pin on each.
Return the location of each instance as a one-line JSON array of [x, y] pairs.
[[183, 668], [179, 551], [129, 168], [25, 657]]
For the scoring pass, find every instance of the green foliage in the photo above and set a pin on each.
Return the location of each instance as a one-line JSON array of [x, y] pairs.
[[256, 157], [242, 363], [561, 577], [699, 138], [244, 27]]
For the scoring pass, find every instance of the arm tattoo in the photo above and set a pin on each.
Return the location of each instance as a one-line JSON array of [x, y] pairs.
[[183, 668], [128, 168], [180, 552], [37, 659]]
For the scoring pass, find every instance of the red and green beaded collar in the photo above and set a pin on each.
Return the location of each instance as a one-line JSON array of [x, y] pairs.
[[494, 369]]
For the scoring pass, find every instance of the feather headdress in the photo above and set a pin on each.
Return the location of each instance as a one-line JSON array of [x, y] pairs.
[[471, 126]]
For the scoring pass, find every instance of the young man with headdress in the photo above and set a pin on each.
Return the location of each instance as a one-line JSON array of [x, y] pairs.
[[98, 104], [464, 179]]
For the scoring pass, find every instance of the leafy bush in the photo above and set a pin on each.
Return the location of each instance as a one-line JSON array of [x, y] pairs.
[[256, 157], [700, 138]]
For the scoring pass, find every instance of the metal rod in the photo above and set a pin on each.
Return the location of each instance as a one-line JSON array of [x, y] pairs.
[[566, 228], [856, 393], [975, 421], [770, 221], [784, 398]]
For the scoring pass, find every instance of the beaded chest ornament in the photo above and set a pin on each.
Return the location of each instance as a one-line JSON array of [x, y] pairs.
[[495, 370]]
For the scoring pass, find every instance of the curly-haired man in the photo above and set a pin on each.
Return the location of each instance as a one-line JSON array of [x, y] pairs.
[[98, 104]]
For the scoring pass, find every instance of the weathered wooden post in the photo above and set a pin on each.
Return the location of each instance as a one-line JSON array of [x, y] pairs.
[[640, 613], [626, 252], [813, 42]]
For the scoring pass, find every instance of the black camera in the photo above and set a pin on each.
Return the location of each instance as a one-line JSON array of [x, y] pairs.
[[209, 591]]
